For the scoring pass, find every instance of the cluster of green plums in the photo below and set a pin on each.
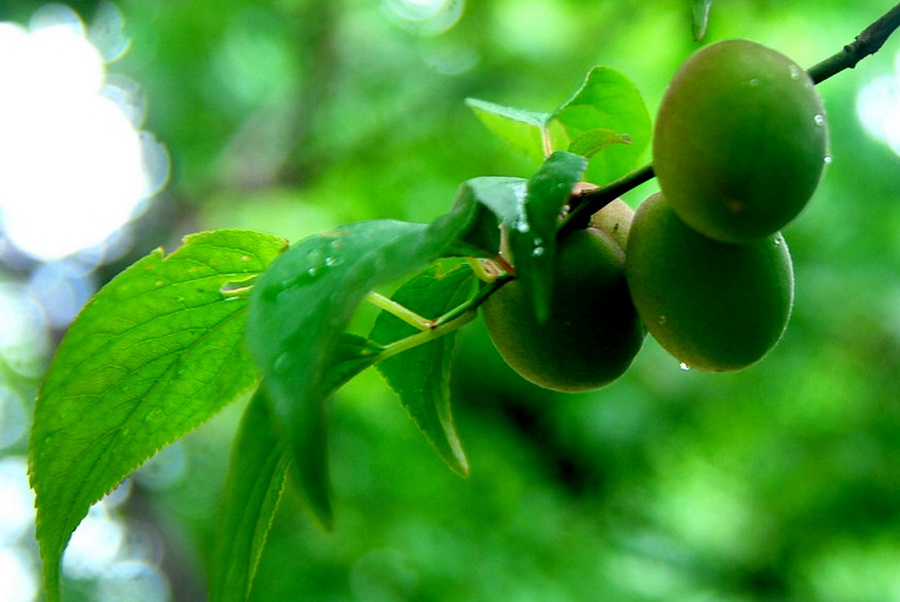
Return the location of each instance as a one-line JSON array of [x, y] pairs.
[[739, 147]]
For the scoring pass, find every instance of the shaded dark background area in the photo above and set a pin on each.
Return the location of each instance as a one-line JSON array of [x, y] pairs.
[[780, 482]]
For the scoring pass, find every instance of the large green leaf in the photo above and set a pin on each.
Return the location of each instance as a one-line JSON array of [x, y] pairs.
[[533, 239], [156, 352], [421, 375], [300, 309], [607, 100], [259, 462]]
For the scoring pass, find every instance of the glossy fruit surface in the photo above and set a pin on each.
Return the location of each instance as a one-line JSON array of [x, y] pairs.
[[740, 141], [714, 306], [593, 332]]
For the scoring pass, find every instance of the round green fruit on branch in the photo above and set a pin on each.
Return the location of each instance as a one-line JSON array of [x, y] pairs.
[[740, 141], [615, 219], [714, 306], [593, 332]]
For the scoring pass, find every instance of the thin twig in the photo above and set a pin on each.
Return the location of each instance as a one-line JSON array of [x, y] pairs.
[[594, 201], [866, 43]]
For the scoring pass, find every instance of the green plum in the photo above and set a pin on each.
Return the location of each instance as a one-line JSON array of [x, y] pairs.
[[593, 332], [740, 141], [714, 306]]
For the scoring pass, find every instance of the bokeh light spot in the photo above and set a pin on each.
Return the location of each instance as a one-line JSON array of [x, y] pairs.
[[73, 168], [878, 108]]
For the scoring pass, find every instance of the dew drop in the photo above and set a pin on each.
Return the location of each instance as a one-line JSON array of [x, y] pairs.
[[538, 251], [819, 119], [777, 242], [663, 320], [828, 159], [332, 261], [753, 82], [313, 271], [795, 72], [522, 226], [684, 366], [245, 258]]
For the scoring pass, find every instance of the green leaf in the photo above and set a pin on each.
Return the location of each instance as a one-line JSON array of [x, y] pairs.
[[259, 463], [300, 309], [505, 197], [533, 239], [421, 375], [607, 100], [700, 17], [592, 142], [156, 352], [522, 130]]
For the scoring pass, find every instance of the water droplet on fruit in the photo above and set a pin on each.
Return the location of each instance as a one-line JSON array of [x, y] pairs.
[[684, 366], [795, 72]]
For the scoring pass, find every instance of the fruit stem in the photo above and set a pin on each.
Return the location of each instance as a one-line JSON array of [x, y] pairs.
[[866, 43], [594, 201], [470, 305], [436, 331], [402, 312]]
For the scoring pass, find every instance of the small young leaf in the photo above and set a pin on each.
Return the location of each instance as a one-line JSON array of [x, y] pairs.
[[421, 375], [607, 100], [533, 241], [700, 17], [259, 463], [522, 130], [592, 142], [300, 308], [156, 352]]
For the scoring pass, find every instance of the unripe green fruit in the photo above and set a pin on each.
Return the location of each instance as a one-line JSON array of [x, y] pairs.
[[615, 219], [740, 141], [714, 306], [593, 332]]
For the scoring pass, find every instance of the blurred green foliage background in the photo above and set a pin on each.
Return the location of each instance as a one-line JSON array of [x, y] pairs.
[[781, 482]]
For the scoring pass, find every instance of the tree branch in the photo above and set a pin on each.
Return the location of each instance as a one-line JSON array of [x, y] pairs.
[[866, 43], [591, 202]]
